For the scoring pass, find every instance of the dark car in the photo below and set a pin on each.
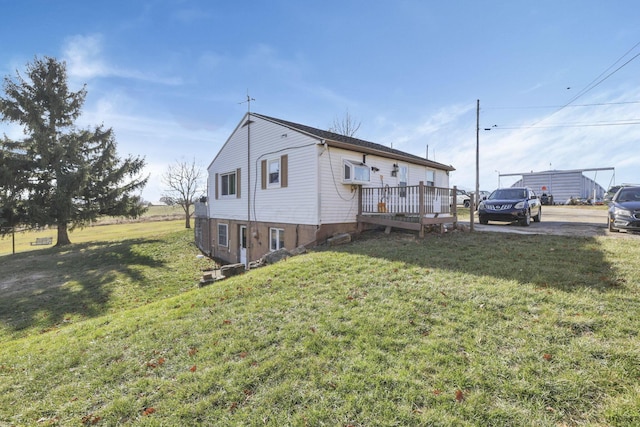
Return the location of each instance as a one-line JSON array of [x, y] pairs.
[[624, 209], [511, 204], [611, 192]]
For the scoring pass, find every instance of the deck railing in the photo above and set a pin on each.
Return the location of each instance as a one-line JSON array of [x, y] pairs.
[[412, 200]]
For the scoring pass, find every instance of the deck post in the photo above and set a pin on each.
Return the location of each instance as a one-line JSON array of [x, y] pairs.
[[360, 226], [474, 203], [454, 206], [421, 208]]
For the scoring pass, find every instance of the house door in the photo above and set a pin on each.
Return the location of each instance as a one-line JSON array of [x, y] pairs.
[[243, 244]]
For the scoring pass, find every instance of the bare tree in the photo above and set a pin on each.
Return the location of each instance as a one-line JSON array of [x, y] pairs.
[[346, 126], [184, 186]]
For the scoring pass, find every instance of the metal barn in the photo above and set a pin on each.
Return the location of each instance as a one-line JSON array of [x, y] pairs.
[[563, 185]]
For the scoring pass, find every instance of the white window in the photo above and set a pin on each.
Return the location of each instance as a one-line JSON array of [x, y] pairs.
[[356, 172], [228, 184], [274, 173], [223, 235], [431, 178], [276, 238]]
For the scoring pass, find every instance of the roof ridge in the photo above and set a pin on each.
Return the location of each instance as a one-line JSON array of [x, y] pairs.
[[336, 137]]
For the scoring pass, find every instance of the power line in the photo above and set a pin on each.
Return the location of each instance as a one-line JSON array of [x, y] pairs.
[[570, 125], [594, 83], [542, 107]]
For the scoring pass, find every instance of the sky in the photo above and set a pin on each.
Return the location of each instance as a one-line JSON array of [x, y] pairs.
[[558, 81]]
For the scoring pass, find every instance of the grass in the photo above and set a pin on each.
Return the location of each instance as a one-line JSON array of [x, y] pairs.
[[126, 266], [163, 218], [456, 330]]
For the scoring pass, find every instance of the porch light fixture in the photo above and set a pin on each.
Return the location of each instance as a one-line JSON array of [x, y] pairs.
[[394, 171]]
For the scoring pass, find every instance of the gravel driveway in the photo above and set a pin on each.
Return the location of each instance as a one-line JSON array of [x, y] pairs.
[[561, 220]]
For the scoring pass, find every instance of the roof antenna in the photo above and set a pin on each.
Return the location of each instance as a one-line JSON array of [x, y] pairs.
[[248, 102]]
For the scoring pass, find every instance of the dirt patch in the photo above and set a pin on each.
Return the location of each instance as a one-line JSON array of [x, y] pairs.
[[20, 283]]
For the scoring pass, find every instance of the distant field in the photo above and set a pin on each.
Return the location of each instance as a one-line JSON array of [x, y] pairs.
[[166, 217]]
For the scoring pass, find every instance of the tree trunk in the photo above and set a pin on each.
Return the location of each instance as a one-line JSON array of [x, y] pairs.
[[187, 215], [63, 235]]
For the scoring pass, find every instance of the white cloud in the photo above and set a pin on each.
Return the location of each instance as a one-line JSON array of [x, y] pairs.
[[84, 58], [82, 55]]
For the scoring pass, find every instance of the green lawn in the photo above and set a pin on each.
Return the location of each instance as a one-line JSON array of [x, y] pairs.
[[462, 329], [162, 217]]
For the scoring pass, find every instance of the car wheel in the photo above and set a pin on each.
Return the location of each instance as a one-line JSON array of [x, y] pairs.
[[483, 220], [612, 228], [466, 203], [538, 217], [526, 221]]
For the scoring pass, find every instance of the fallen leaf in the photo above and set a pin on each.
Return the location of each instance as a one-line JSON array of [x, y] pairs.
[[193, 351], [459, 395], [193, 368], [91, 419], [547, 357], [148, 411]]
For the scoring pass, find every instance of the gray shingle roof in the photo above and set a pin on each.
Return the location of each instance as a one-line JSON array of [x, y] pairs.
[[355, 142]]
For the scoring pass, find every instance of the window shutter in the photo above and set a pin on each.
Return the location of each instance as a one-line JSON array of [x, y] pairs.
[[238, 186], [284, 171], [216, 185], [264, 174]]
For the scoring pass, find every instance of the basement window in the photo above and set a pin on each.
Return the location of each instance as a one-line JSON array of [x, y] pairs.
[[276, 239], [355, 172], [223, 235]]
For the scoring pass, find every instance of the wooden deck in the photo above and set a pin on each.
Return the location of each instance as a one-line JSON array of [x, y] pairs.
[[409, 207]]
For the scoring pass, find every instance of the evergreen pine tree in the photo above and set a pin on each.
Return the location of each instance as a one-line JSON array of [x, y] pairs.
[[76, 175]]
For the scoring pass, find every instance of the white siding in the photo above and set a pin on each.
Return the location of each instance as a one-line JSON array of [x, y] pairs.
[[232, 156], [295, 204], [339, 204]]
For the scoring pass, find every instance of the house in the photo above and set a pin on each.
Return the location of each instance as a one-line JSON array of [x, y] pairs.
[[276, 184]]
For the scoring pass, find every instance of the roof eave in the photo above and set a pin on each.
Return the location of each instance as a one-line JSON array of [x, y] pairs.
[[393, 156]]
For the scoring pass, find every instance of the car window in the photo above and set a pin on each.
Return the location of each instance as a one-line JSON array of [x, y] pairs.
[[509, 194], [629, 195]]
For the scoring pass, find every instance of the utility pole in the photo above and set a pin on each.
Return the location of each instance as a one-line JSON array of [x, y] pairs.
[[477, 193]]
